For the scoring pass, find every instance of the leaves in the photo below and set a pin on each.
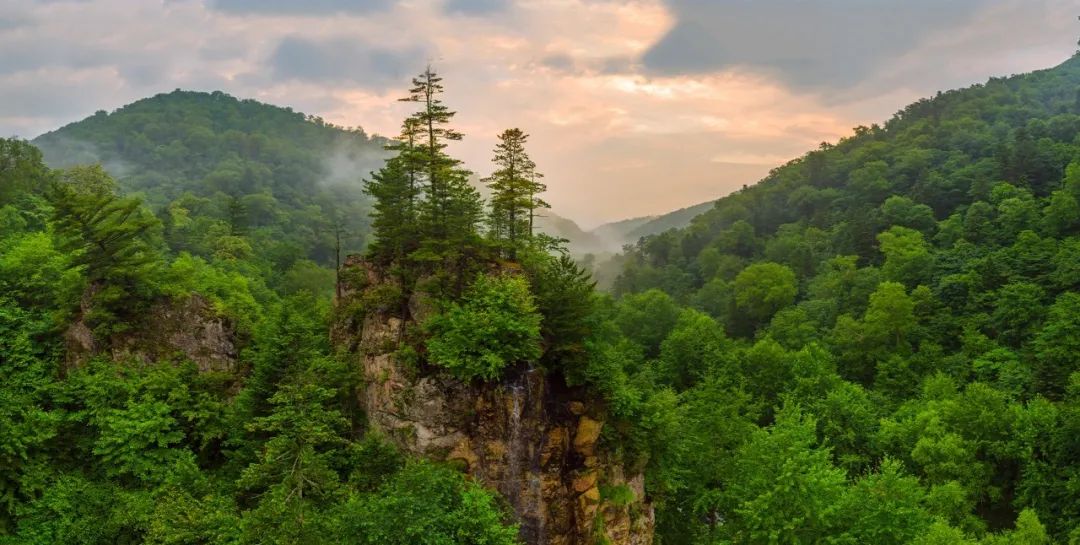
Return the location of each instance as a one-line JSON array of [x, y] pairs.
[[495, 325]]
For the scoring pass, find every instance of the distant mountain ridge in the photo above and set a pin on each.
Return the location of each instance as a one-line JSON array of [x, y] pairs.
[[612, 236]]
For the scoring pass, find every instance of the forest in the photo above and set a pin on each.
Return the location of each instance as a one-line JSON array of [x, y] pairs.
[[877, 343]]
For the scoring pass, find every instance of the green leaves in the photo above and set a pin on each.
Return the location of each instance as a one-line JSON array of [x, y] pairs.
[[1057, 346], [515, 192], [764, 288], [112, 239], [784, 488], [137, 439], [495, 325], [907, 256], [294, 475], [108, 234], [425, 504]]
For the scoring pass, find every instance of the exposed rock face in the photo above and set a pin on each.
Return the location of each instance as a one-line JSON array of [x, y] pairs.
[[188, 328], [528, 436]]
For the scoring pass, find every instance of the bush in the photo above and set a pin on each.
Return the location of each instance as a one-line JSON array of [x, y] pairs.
[[494, 325], [427, 504]]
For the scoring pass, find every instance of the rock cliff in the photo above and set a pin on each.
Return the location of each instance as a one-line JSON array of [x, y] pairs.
[[187, 327], [536, 441]]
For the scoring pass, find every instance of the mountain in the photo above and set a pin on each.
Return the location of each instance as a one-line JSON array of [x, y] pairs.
[[611, 237], [877, 343], [895, 306], [658, 224], [581, 241], [618, 230], [204, 159]]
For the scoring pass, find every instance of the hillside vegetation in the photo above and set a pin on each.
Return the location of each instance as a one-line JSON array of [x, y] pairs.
[[233, 177], [891, 321], [878, 343]]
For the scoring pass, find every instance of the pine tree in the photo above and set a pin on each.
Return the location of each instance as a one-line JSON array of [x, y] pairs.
[[110, 237], [106, 233], [395, 188], [451, 208], [515, 192]]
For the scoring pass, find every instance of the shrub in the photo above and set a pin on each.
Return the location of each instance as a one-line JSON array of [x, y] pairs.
[[495, 324]]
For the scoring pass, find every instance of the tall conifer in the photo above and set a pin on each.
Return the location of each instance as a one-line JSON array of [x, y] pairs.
[[451, 208], [515, 190], [396, 190]]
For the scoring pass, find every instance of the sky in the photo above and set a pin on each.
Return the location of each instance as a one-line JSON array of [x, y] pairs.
[[634, 107]]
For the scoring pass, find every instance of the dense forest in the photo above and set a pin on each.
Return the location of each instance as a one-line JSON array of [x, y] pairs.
[[875, 344], [890, 326]]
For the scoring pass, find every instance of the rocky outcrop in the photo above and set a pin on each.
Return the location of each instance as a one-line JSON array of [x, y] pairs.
[[530, 437], [187, 328]]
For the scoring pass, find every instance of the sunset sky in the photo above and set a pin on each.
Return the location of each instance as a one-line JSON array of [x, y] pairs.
[[635, 107]]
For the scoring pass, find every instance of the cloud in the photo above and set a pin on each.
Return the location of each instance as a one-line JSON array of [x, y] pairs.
[[297, 7], [820, 44], [33, 101], [11, 21], [341, 60], [475, 7]]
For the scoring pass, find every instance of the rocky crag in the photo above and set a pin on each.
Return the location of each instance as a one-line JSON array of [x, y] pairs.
[[186, 328], [528, 436]]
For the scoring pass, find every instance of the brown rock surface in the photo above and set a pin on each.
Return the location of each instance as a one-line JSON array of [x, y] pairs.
[[525, 436]]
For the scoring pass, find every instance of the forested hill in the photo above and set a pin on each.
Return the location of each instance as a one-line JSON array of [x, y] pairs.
[[938, 166], [899, 315], [210, 163]]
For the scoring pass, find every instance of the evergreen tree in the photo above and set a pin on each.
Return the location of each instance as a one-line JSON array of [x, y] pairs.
[[515, 191], [106, 233], [111, 238], [450, 210], [395, 190], [294, 473]]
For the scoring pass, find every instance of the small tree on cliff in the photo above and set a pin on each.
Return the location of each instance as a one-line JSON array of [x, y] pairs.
[[395, 188], [112, 240], [515, 192], [451, 209]]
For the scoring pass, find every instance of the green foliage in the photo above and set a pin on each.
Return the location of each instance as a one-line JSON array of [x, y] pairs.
[[232, 173], [886, 507], [22, 171], [136, 439], [647, 318], [396, 191], [293, 476], [764, 288], [911, 289], [690, 351], [1057, 344], [515, 191], [619, 495], [111, 238], [450, 209], [427, 504], [907, 257], [565, 300], [875, 344], [784, 489], [496, 324], [233, 293]]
